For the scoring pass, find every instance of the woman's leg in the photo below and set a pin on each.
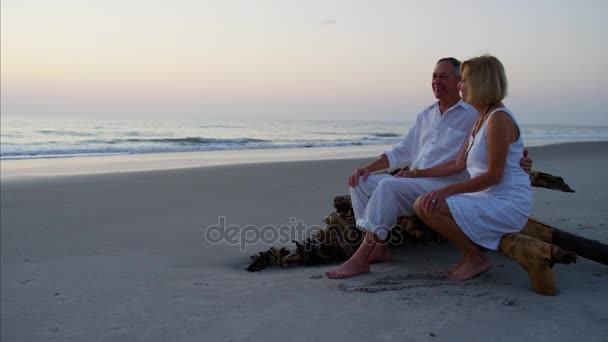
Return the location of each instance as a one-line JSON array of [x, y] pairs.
[[474, 260]]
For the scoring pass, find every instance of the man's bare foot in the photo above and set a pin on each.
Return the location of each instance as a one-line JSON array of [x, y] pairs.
[[348, 269], [471, 268], [453, 268], [381, 253]]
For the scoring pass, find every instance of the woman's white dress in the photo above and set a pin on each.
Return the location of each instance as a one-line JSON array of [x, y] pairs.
[[487, 215]]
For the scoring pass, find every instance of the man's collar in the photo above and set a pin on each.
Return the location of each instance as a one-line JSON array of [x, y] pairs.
[[463, 104], [460, 103]]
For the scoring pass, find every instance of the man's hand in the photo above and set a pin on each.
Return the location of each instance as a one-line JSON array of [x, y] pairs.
[[525, 162], [404, 174], [353, 180]]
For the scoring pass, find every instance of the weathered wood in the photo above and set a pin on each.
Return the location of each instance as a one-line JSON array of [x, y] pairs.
[[586, 248], [535, 257], [545, 180], [345, 236], [555, 254]]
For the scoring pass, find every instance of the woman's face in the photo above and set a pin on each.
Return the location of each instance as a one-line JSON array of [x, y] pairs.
[[462, 86]]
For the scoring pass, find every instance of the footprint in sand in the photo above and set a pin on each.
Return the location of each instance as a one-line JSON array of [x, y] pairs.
[[410, 281]]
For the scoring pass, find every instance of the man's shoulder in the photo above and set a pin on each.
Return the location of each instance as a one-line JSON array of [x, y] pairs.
[[433, 105], [466, 109], [428, 109], [460, 105], [465, 105]]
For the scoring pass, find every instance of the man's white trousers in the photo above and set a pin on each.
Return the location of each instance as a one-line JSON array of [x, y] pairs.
[[380, 200]]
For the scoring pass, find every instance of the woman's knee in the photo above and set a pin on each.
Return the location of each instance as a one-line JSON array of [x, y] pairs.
[[418, 207], [443, 209]]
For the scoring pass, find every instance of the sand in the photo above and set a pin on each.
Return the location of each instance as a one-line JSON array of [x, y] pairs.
[[123, 257]]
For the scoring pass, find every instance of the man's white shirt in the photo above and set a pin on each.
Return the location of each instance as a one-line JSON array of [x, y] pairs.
[[434, 138]]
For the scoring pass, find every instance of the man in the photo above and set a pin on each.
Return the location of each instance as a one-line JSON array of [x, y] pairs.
[[436, 137]]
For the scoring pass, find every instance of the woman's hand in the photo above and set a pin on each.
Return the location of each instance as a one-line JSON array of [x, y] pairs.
[[353, 180], [434, 199], [404, 174]]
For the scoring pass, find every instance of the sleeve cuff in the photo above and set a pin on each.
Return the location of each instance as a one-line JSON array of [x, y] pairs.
[[392, 159]]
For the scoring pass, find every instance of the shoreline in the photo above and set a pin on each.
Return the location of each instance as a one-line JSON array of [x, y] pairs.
[[27, 168], [125, 163]]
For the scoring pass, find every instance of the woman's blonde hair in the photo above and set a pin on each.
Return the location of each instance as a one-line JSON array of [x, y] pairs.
[[485, 80]]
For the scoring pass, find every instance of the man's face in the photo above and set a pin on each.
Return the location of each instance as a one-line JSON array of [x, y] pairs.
[[445, 82]]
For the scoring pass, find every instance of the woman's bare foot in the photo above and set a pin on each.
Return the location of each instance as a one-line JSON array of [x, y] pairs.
[[348, 269], [381, 253], [471, 268]]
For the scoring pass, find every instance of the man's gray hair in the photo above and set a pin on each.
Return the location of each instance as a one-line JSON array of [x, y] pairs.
[[455, 63]]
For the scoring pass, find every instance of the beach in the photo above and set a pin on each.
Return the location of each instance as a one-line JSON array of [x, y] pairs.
[[91, 254]]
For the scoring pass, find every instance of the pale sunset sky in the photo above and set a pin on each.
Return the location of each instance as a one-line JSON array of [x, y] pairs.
[[308, 59]]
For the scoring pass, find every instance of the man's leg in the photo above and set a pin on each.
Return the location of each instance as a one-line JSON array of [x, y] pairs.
[[359, 263], [360, 194], [394, 198], [391, 198]]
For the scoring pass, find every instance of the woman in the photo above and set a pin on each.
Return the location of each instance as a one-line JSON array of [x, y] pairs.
[[496, 200]]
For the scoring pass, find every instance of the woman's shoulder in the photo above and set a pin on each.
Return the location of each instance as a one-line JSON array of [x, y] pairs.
[[501, 113], [502, 120], [500, 107]]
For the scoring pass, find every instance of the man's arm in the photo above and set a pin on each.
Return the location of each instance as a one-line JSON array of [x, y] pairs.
[[443, 170], [399, 155], [379, 164]]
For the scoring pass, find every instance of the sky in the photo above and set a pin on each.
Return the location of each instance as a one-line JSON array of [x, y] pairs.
[[307, 59]]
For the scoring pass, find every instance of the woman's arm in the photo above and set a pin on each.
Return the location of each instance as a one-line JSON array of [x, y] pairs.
[[501, 132]]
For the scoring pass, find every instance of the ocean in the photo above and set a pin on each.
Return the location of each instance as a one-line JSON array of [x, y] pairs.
[[60, 138]]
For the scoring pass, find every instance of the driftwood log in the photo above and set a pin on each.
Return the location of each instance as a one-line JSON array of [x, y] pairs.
[[586, 248], [536, 248]]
